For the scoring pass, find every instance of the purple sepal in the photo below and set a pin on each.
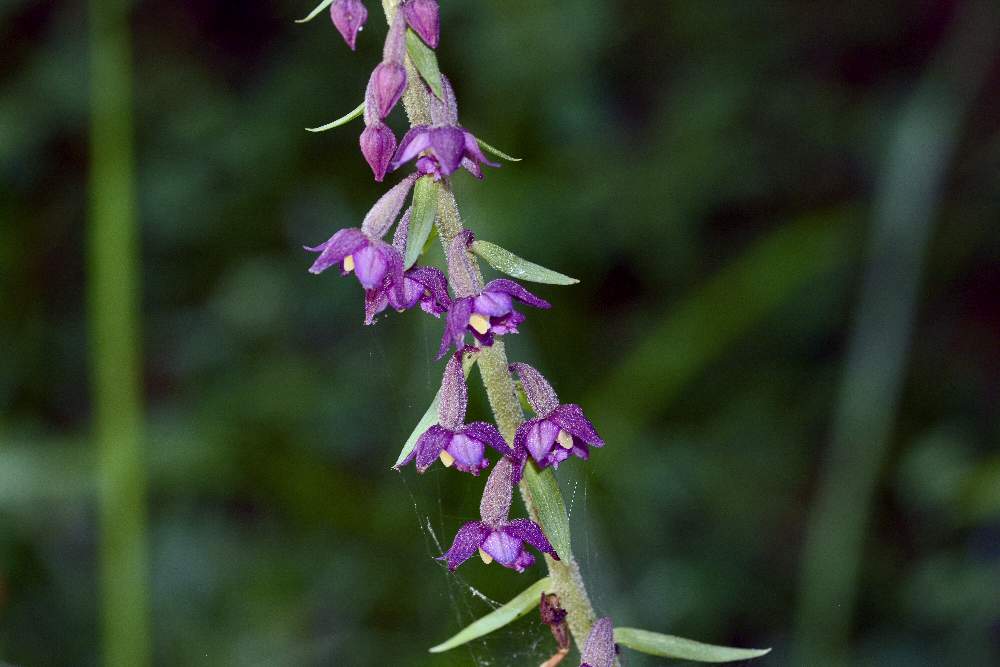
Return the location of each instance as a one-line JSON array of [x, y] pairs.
[[454, 397], [467, 541], [570, 418], [600, 648], [345, 242], [388, 81], [378, 144], [488, 434], [348, 17], [530, 532], [456, 323], [505, 286], [424, 17]]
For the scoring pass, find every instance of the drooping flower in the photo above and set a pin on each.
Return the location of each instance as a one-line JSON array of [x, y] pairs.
[[444, 144], [349, 17], [559, 429], [424, 17], [378, 144], [451, 440], [600, 649], [486, 313], [495, 537], [388, 79], [362, 250]]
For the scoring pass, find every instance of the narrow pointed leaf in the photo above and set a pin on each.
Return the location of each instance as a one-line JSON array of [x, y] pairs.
[[496, 151], [431, 416], [314, 13], [425, 61], [668, 646], [343, 120], [507, 262], [425, 199], [544, 491], [499, 617]]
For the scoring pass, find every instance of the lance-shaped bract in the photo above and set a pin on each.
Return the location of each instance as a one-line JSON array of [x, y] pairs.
[[600, 649], [496, 538], [349, 17], [424, 16], [562, 424], [450, 440]]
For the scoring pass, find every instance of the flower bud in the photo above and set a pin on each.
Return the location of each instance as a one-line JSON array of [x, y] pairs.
[[378, 144], [348, 16], [388, 82], [424, 17]]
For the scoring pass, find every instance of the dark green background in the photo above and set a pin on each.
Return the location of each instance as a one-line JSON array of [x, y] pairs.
[[709, 170]]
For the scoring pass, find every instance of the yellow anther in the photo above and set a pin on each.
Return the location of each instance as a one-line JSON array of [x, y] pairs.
[[486, 557], [479, 323], [564, 439], [349, 263], [446, 458]]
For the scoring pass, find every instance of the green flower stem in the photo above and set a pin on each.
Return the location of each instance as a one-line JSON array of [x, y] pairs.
[[567, 582]]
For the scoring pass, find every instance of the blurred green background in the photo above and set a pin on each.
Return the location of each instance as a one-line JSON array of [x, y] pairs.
[[784, 217]]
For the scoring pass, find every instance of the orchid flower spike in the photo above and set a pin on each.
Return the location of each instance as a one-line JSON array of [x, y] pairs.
[[444, 144], [486, 313], [495, 537], [424, 18], [600, 650], [362, 250], [450, 440], [349, 17], [562, 424]]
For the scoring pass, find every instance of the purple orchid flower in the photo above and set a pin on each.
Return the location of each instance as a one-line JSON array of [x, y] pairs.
[[495, 537], [454, 443], [562, 424], [349, 17], [600, 649], [362, 250], [486, 313], [424, 17], [425, 285], [445, 145]]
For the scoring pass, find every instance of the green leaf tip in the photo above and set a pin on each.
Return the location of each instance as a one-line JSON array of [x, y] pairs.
[[669, 646], [507, 262], [496, 151], [425, 61], [520, 605], [343, 120], [314, 13], [425, 201]]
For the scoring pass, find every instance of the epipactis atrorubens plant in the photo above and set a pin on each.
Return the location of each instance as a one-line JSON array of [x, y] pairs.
[[475, 317]]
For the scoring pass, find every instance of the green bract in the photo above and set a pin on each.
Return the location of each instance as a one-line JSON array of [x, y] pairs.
[[425, 197], [425, 61], [343, 120], [507, 262], [668, 646]]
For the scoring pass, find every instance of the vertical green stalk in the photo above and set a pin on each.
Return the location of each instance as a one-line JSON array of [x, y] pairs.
[[906, 204], [113, 301]]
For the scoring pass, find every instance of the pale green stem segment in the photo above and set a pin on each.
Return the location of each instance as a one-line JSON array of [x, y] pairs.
[[565, 576], [906, 204], [113, 302]]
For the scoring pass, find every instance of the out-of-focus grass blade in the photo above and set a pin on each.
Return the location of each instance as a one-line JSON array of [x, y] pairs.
[[507, 262], [425, 61], [544, 491], [668, 646], [496, 151], [343, 120], [314, 13], [499, 617]]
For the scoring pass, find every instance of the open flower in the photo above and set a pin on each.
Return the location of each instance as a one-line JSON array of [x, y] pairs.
[[495, 537], [454, 443], [487, 314], [600, 649], [443, 146], [558, 431]]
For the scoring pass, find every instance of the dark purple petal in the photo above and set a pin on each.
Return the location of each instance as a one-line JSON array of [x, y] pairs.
[[467, 541], [455, 325], [600, 648], [424, 17], [473, 152], [448, 144], [375, 302], [507, 323], [492, 304], [497, 494], [454, 396], [570, 418], [504, 548], [538, 436], [472, 168], [378, 144], [388, 82], [434, 298], [348, 16], [387, 208], [429, 447], [416, 140], [540, 393], [524, 561], [444, 111], [513, 289], [530, 532], [345, 242], [488, 435]]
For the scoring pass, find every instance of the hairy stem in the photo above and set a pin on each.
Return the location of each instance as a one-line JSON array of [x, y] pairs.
[[493, 365]]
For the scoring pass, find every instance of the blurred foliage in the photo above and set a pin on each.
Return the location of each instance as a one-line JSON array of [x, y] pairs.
[[705, 169]]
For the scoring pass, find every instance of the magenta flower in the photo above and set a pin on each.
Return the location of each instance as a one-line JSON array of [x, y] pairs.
[[556, 424], [349, 17], [378, 144], [450, 440], [443, 146], [495, 537], [487, 314], [600, 650], [424, 17]]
